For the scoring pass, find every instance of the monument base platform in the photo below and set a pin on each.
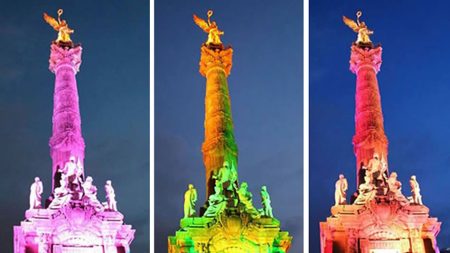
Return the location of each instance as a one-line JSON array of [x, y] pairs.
[[229, 233], [379, 227], [73, 228]]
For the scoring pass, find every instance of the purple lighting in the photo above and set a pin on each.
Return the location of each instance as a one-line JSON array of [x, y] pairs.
[[73, 220]]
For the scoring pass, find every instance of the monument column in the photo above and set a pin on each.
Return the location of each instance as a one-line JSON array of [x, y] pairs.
[[369, 138], [66, 140], [219, 144]]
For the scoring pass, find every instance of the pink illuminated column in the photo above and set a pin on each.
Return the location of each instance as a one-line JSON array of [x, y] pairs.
[[369, 135], [66, 140]]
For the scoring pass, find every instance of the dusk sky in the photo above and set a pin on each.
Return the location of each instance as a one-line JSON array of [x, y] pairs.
[[113, 85], [414, 83], [266, 99]]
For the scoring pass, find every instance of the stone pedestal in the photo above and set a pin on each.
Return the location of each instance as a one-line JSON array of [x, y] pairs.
[[73, 228], [229, 233], [219, 143], [369, 135], [379, 227]]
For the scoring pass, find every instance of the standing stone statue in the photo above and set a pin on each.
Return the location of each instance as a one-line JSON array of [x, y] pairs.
[[110, 196], [36, 190], [190, 198], [415, 190], [265, 199], [340, 195]]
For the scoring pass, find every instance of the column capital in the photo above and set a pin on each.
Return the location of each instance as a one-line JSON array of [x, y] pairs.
[[365, 57], [215, 58], [64, 57]]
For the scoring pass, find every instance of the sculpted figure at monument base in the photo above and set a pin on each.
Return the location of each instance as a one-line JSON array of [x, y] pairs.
[[340, 195], [111, 203], [265, 200], [395, 189], [190, 198], [415, 190], [62, 196], [90, 194], [367, 192], [217, 202], [245, 197], [36, 190]]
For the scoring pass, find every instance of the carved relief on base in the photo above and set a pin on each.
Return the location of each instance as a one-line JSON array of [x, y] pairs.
[[379, 225]]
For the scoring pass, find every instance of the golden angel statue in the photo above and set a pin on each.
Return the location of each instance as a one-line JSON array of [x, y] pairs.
[[211, 28], [360, 28], [59, 25]]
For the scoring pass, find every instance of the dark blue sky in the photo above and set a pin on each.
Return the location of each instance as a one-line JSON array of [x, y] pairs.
[[414, 83], [266, 96], [113, 86]]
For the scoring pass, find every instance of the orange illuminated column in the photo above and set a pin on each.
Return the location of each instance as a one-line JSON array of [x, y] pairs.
[[369, 135], [219, 144]]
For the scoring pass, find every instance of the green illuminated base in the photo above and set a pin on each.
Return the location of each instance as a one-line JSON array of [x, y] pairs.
[[230, 232]]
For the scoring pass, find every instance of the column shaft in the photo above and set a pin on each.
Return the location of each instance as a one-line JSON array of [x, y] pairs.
[[369, 135], [66, 139], [219, 144]]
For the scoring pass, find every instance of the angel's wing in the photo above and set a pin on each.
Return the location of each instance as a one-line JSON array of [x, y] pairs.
[[51, 21], [201, 23], [350, 23]]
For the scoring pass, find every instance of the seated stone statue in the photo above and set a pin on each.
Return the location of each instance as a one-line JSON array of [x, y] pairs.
[[245, 197], [395, 189], [90, 194], [36, 190], [217, 202], [62, 196], [367, 192], [265, 199], [415, 190], [190, 198], [340, 195]]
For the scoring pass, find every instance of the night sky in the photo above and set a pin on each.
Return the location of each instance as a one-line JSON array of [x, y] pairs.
[[266, 97], [414, 84], [113, 85]]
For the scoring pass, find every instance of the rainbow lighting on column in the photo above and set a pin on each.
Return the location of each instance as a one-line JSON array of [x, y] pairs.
[[378, 217], [72, 220], [228, 221]]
